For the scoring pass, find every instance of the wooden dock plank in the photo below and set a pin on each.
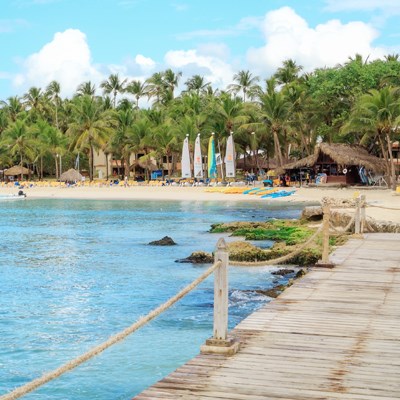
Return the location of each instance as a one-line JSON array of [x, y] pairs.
[[334, 334]]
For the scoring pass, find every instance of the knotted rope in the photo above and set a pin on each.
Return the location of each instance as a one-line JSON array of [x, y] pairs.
[[47, 377], [385, 208]]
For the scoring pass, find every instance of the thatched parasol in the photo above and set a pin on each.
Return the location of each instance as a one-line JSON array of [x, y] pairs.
[[342, 154], [70, 176], [17, 170]]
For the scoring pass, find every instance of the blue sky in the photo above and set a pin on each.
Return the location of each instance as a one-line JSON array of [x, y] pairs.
[[74, 41]]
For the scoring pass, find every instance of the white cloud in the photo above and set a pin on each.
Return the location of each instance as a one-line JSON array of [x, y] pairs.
[[65, 59], [288, 35], [145, 63], [363, 5], [191, 62]]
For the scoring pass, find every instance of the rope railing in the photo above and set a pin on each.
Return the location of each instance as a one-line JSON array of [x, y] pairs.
[[383, 207], [49, 376]]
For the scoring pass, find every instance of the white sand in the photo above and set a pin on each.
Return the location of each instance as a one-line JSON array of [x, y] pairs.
[[385, 198]]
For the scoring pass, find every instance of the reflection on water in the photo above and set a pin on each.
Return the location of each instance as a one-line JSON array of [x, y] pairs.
[[74, 272]]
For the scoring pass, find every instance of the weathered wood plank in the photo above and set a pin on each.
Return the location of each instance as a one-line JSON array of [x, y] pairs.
[[333, 335]]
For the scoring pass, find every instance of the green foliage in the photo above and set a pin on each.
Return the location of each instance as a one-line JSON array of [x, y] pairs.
[[289, 235]]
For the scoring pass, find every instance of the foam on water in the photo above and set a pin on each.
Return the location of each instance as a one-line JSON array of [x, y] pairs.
[[75, 272]]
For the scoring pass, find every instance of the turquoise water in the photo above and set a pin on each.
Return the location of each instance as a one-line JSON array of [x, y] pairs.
[[74, 272]]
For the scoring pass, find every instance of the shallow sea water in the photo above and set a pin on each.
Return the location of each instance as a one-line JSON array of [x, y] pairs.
[[75, 272]]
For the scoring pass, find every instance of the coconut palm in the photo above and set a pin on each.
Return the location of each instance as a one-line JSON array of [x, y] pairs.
[[275, 113], [91, 127], [288, 73], [35, 101], [18, 141], [156, 87], [137, 89], [86, 88], [377, 114], [49, 141], [171, 80], [197, 84], [53, 91], [246, 83], [13, 107], [113, 85]]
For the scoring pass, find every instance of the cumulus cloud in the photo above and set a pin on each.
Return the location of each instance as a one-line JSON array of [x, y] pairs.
[[145, 63], [288, 35], [66, 59], [191, 62]]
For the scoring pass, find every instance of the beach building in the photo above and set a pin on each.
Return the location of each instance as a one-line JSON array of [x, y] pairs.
[[107, 166], [339, 164]]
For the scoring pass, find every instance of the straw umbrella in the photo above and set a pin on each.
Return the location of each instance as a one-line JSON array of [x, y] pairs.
[[17, 170], [72, 175]]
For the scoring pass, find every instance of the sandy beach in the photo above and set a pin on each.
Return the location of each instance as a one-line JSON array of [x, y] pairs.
[[376, 197]]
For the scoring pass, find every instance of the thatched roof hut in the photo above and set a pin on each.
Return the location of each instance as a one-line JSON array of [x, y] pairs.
[[71, 175], [17, 170], [339, 161]]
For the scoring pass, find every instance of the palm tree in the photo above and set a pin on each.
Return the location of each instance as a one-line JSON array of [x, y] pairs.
[[86, 88], [275, 112], [137, 89], [18, 141], [34, 99], [171, 80], [377, 113], [156, 87], [91, 127], [288, 73], [53, 91], [245, 82], [13, 107], [196, 84], [51, 141], [113, 86], [122, 139]]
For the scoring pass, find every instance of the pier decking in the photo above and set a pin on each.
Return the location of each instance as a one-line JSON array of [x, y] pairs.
[[335, 334]]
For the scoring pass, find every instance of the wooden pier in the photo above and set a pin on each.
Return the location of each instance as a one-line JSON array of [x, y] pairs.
[[334, 334]]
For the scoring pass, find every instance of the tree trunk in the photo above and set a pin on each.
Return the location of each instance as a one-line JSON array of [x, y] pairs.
[[56, 162], [277, 148], [391, 162], [91, 162], [106, 154]]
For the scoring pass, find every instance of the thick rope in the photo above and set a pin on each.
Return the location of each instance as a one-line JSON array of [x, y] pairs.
[[47, 377], [385, 208], [346, 228], [278, 260]]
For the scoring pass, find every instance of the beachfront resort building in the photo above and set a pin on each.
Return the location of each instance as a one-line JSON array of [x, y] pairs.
[[339, 164]]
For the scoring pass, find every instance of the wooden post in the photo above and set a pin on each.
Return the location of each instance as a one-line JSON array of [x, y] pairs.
[[220, 343], [363, 214], [324, 262], [221, 292], [357, 217], [325, 233]]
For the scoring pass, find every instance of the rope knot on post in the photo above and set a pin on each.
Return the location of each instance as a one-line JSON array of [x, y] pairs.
[[220, 343]]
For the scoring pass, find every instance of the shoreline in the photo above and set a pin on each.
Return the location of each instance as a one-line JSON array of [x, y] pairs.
[[303, 195]]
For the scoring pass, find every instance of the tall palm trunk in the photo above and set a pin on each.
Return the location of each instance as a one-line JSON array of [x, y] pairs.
[[391, 162], [91, 162], [277, 148]]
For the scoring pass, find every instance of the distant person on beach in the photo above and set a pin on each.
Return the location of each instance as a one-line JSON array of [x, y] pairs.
[[126, 181]]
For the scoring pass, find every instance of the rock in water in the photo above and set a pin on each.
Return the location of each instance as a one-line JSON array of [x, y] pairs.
[[165, 241], [198, 257], [283, 272]]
